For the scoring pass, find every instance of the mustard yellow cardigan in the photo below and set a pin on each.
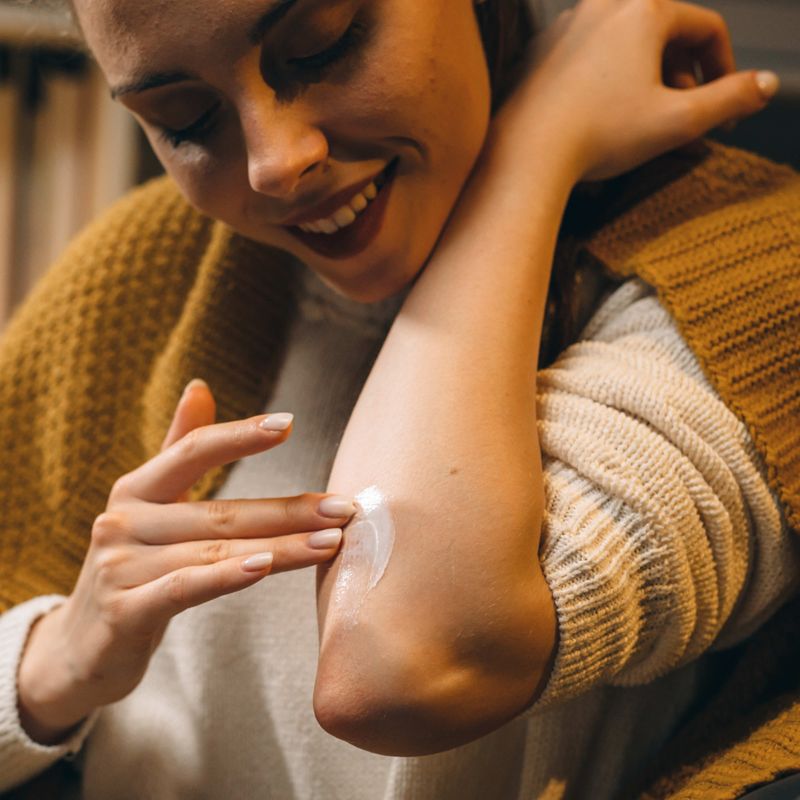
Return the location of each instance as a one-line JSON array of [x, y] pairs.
[[154, 294]]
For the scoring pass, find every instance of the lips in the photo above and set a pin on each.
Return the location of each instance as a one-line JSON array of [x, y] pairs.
[[333, 203], [354, 238]]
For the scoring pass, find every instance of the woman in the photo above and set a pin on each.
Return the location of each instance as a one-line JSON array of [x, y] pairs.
[[348, 145]]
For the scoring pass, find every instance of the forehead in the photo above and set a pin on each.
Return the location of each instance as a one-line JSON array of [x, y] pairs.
[[127, 36]]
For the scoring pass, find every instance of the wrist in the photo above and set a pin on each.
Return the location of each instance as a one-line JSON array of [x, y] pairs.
[[50, 701], [547, 146]]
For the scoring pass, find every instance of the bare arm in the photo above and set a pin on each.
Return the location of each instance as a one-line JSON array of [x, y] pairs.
[[446, 428], [457, 636]]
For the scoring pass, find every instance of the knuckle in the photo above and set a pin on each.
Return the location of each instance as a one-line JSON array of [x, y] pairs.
[[222, 515], [115, 611], [108, 528], [295, 506], [215, 551], [189, 445], [121, 487], [106, 565], [716, 20], [176, 590]]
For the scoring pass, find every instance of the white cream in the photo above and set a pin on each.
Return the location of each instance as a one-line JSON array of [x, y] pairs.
[[366, 550]]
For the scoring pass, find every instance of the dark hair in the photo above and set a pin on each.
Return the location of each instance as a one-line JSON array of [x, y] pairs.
[[506, 29]]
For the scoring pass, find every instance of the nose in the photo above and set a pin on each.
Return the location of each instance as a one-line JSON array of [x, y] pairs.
[[282, 147]]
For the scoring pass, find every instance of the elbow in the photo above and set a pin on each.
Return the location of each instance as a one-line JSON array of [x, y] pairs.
[[415, 698]]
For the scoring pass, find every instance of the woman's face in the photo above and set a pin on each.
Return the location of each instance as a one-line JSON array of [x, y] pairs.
[[272, 113]]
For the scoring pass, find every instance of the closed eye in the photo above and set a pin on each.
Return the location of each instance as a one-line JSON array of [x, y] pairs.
[[195, 132], [318, 62]]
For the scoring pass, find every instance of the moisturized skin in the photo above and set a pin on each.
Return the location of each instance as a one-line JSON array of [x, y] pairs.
[[367, 548], [259, 123]]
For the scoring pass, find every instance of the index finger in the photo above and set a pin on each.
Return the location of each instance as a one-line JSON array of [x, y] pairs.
[[705, 32], [166, 476]]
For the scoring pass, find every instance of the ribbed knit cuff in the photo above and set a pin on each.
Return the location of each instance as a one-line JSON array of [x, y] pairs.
[[21, 758]]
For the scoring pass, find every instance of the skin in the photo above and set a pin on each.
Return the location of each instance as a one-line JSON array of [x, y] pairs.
[[451, 401], [416, 87]]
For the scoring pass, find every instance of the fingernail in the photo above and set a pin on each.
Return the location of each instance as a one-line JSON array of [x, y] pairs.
[[276, 422], [336, 505], [257, 563], [768, 83], [325, 540], [192, 384]]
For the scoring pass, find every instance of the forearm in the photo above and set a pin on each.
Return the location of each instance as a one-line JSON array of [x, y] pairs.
[[445, 427]]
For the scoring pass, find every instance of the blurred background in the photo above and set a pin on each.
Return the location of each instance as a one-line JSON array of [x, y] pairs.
[[67, 151]]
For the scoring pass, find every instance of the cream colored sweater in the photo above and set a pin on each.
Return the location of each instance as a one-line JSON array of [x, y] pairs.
[[661, 539]]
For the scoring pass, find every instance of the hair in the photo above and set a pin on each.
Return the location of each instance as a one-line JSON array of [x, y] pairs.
[[506, 28]]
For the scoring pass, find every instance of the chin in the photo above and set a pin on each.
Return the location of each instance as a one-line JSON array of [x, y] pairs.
[[369, 288]]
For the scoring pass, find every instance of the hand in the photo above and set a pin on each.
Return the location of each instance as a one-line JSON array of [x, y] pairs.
[[610, 84], [152, 555]]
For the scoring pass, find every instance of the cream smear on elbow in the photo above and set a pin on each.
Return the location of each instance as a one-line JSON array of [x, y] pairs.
[[367, 548]]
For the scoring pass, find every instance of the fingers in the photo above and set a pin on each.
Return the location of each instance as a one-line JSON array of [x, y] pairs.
[[195, 408], [166, 476], [679, 69], [295, 551], [157, 602], [698, 110], [228, 519], [160, 599], [705, 34]]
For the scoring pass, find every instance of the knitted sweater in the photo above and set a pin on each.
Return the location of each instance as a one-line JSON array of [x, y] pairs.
[[156, 276]]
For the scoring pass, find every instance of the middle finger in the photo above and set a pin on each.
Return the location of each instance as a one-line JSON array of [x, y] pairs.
[[237, 519]]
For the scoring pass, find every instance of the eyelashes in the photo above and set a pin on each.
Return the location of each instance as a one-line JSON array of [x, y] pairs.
[[309, 69], [197, 131], [328, 57]]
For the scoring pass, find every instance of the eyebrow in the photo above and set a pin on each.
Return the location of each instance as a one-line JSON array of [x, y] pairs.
[[153, 80]]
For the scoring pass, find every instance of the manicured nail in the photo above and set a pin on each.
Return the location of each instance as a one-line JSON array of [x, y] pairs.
[[192, 384], [325, 540], [257, 563], [336, 505], [276, 422], [768, 83]]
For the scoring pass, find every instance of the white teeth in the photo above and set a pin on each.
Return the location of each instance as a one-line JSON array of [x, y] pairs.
[[344, 216], [327, 226], [359, 203]]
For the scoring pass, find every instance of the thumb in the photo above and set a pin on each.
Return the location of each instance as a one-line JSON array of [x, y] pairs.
[[195, 408], [731, 97]]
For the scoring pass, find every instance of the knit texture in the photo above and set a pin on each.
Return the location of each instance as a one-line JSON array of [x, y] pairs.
[[634, 478], [658, 529], [20, 757], [722, 246], [155, 294]]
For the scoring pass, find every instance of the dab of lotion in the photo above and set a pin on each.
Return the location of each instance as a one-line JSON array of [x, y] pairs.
[[367, 547]]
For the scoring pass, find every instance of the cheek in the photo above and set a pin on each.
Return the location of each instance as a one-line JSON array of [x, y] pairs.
[[214, 185]]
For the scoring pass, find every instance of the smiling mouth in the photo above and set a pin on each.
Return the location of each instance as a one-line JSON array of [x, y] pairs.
[[358, 228]]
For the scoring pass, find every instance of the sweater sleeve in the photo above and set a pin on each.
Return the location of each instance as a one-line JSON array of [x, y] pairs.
[[661, 537], [21, 758]]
